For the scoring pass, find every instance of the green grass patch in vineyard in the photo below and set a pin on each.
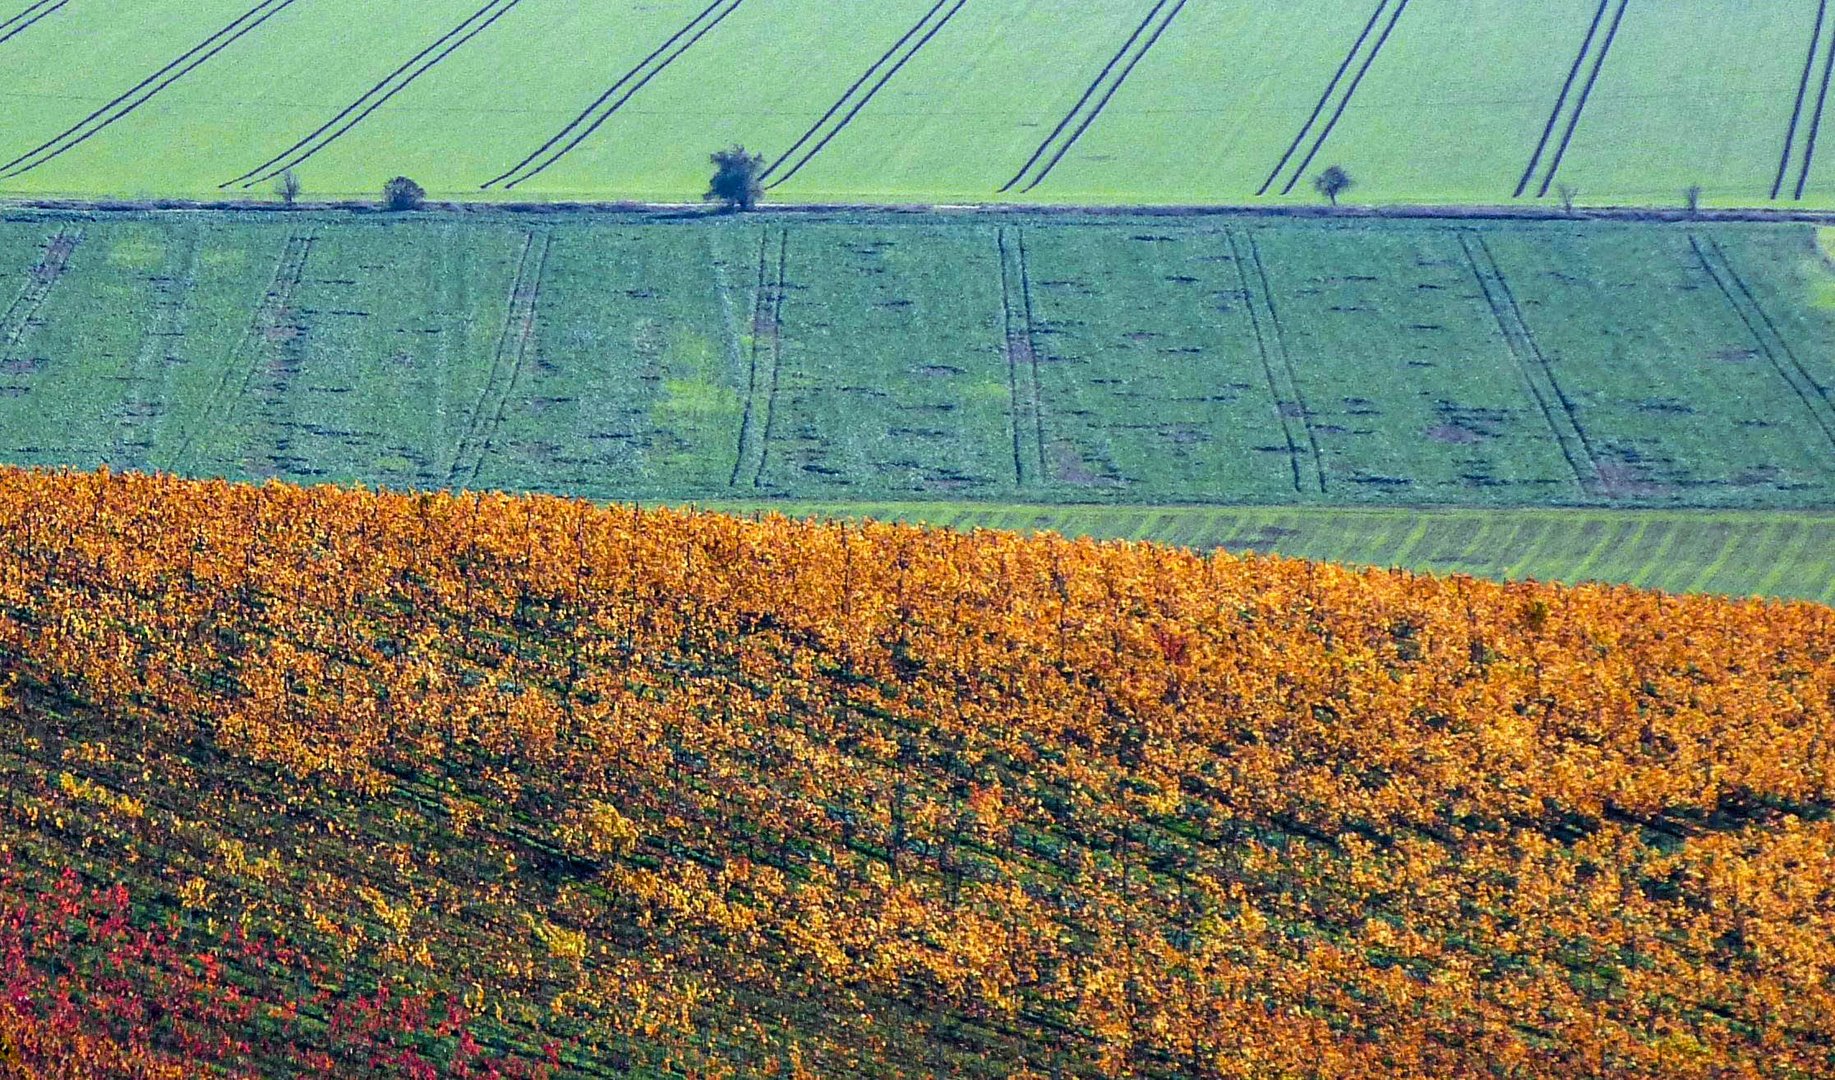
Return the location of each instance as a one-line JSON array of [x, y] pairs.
[[1733, 553], [1233, 101]]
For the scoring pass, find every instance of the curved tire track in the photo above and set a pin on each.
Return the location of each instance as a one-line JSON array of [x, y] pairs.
[[848, 94], [14, 26], [522, 172], [313, 143], [126, 103], [1349, 93], [868, 98]]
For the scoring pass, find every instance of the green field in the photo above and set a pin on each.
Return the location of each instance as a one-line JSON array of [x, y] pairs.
[[1134, 101], [981, 363], [1790, 555], [1198, 360]]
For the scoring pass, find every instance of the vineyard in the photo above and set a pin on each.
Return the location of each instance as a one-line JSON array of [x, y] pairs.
[[1626, 102], [1148, 362], [459, 783]]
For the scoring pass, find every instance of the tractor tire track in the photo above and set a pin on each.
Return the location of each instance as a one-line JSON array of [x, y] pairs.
[[1765, 334], [760, 294], [1032, 349], [1586, 94], [1815, 129], [848, 95], [1012, 345], [1567, 88], [522, 172], [268, 324], [1114, 87], [1325, 98], [387, 88], [173, 293], [1271, 344], [1533, 364], [868, 97], [145, 90], [1095, 84], [22, 314], [513, 344], [777, 358], [1803, 86], [1349, 93], [13, 27]]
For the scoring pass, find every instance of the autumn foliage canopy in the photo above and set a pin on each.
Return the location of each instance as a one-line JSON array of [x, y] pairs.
[[627, 789]]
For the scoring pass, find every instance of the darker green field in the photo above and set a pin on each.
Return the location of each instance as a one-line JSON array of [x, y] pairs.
[[1733, 553], [1039, 360]]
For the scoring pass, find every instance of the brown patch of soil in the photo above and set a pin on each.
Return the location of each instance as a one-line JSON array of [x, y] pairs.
[[1454, 435]]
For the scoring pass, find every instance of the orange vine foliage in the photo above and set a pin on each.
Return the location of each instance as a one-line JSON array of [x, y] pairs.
[[1117, 808]]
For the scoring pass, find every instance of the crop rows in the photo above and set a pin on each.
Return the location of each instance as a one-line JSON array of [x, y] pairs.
[[1729, 553], [1007, 798], [1156, 362], [1150, 102]]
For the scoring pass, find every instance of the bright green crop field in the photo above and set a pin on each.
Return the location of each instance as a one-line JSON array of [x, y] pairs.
[[923, 101]]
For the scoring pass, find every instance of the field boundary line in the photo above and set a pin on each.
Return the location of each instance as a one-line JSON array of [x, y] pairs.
[[1765, 334], [759, 292], [777, 357], [522, 173], [848, 94], [312, 145], [289, 271], [1283, 381], [1349, 93], [513, 343], [1586, 95], [12, 27], [1803, 86], [1815, 128], [153, 85], [1102, 102], [867, 98], [21, 314], [1324, 98], [1531, 362], [1567, 87]]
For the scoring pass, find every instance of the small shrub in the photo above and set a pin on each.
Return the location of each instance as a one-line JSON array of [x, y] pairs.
[[736, 181], [402, 193]]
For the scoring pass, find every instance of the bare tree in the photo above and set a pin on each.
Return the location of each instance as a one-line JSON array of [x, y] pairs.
[[287, 187], [1332, 183], [736, 180], [1568, 194], [1691, 198]]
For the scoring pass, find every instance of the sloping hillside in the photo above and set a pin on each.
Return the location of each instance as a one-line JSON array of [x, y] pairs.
[[687, 794]]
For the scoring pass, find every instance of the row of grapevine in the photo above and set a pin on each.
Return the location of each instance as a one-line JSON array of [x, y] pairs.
[[1114, 808]]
